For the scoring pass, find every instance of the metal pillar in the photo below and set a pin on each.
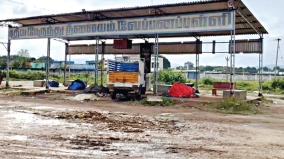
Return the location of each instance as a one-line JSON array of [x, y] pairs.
[[47, 63], [8, 63], [156, 64], [233, 53], [260, 70], [277, 55], [227, 68], [96, 62], [198, 52], [69, 69], [102, 63], [197, 69], [65, 62]]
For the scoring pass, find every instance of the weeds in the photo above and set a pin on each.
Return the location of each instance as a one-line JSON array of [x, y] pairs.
[[29, 75], [208, 81], [235, 106]]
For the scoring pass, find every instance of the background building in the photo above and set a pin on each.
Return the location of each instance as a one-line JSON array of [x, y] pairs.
[[188, 65]]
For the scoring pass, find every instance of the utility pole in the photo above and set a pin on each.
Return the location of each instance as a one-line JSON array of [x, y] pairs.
[[227, 68], [277, 54]]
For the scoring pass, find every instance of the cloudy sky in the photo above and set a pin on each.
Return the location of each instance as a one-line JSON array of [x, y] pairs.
[[268, 12]]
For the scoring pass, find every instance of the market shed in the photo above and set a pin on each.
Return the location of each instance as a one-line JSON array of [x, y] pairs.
[[190, 19]]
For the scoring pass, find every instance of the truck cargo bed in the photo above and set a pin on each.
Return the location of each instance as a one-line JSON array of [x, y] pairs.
[[124, 77]]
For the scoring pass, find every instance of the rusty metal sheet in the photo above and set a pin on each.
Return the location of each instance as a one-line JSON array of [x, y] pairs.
[[248, 46], [164, 48]]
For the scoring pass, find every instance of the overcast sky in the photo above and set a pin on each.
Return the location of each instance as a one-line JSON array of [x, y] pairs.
[[269, 14]]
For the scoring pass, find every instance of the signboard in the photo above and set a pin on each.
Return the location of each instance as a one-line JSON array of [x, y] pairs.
[[164, 48], [181, 48], [183, 23], [91, 49], [248, 46], [122, 44]]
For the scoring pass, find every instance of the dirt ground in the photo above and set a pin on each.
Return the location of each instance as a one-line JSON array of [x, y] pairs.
[[49, 126]]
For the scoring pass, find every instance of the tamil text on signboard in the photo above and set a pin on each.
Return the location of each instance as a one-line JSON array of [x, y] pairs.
[[185, 23]]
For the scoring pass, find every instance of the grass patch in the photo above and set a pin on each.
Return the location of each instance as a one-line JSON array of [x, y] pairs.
[[248, 86], [28, 75], [165, 102], [206, 83], [235, 106]]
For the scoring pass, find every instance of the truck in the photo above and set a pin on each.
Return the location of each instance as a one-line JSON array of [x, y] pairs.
[[126, 78]]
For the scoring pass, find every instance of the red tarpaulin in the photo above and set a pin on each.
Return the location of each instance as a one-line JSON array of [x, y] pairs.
[[180, 90]]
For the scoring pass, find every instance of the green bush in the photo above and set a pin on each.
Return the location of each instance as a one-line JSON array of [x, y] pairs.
[[29, 75], [278, 84], [248, 86], [208, 81], [171, 77], [267, 86]]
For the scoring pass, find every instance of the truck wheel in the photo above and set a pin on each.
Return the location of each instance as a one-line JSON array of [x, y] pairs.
[[113, 95], [138, 96]]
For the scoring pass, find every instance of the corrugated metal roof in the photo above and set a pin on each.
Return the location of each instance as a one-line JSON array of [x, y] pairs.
[[242, 27]]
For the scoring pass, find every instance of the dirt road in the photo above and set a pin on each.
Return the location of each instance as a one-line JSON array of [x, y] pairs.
[[46, 127]]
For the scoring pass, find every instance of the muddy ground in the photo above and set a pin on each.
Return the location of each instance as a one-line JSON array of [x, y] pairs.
[[47, 126]]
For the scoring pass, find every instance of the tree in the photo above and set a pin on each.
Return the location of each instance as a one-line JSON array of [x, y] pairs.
[[266, 69], [43, 59], [166, 62], [19, 62], [281, 70], [209, 68], [24, 53], [276, 68], [180, 68], [3, 62], [251, 70], [171, 77]]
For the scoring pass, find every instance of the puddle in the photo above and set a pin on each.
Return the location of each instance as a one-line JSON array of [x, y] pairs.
[[50, 108], [34, 120], [14, 138]]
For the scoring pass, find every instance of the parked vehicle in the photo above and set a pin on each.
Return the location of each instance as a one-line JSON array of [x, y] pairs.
[[126, 78]]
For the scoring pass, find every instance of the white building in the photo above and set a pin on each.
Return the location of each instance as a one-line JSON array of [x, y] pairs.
[[160, 64]]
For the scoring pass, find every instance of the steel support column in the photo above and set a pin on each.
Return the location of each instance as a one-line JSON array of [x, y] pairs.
[[47, 63], [102, 63], [69, 69], [197, 70], [96, 62], [277, 55], [260, 75], [156, 64], [227, 68], [8, 63], [65, 62], [233, 53]]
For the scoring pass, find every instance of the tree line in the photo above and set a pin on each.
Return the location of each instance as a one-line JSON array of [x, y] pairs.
[[22, 60], [224, 69]]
